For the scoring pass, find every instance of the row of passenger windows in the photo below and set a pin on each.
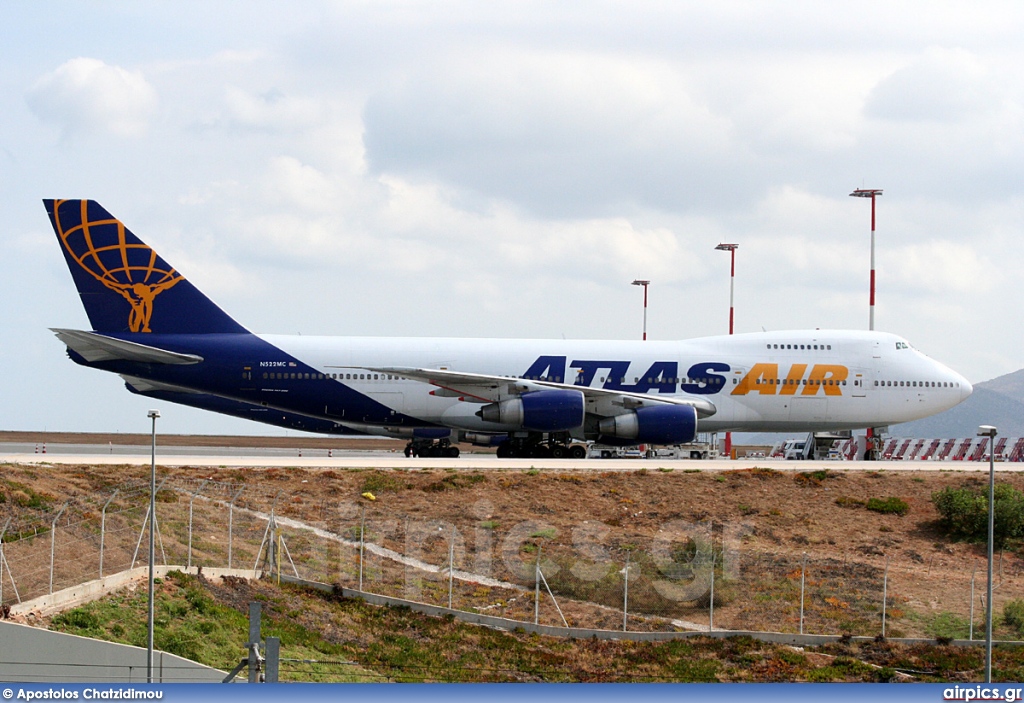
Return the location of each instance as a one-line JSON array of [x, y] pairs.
[[712, 381], [801, 382], [811, 347], [335, 376]]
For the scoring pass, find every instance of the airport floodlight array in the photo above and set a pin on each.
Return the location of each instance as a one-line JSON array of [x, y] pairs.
[[639, 282], [870, 193]]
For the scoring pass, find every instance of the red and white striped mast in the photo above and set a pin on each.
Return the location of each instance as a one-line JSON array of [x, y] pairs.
[[731, 248], [870, 193]]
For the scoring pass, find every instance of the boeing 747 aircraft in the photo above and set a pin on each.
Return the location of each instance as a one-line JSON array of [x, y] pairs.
[[528, 397]]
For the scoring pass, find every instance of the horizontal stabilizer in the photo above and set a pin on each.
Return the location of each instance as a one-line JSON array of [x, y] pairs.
[[147, 385], [97, 347]]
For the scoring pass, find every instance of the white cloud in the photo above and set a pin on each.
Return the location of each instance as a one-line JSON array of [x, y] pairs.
[[271, 110], [563, 133], [941, 268], [88, 95], [942, 85]]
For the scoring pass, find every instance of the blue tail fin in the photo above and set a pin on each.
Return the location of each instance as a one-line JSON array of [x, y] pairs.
[[125, 286]]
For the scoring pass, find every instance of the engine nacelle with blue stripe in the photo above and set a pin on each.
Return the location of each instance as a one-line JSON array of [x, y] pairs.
[[668, 424], [542, 411]]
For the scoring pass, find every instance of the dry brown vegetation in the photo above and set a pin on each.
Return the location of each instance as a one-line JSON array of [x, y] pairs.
[[761, 520]]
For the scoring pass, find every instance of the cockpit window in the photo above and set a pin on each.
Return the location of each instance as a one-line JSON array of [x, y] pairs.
[[902, 345]]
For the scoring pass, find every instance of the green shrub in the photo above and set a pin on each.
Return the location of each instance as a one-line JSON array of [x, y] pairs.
[[1013, 615], [964, 512], [888, 506]]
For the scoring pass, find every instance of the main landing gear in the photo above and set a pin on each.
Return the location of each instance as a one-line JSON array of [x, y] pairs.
[[431, 449], [523, 448]]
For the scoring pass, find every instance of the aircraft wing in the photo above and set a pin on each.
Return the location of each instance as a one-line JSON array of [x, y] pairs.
[[486, 388]]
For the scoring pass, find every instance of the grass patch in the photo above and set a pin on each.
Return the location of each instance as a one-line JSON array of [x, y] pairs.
[[848, 502], [454, 481], [381, 481], [888, 506], [190, 622], [814, 478]]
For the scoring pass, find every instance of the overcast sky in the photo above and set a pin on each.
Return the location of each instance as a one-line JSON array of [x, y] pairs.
[[468, 170]]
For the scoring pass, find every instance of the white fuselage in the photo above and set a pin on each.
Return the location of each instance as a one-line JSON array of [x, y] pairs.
[[760, 382]]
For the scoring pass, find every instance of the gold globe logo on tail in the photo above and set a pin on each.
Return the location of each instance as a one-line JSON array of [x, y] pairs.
[[132, 270]]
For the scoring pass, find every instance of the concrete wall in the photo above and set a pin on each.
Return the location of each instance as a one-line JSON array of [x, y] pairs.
[[92, 590], [31, 655]]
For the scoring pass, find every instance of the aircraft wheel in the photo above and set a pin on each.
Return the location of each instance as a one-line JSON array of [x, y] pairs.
[[558, 452], [452, 452], [577, 452]]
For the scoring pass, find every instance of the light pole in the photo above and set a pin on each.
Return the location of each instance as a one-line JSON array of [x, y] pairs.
[[152, 415], [731, 248], [990, 432], [639, 282], [870, 193]]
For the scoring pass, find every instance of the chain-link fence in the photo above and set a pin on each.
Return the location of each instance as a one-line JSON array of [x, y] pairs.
[[690, 575]]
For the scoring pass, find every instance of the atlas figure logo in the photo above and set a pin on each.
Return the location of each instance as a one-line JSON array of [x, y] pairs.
[[704, 378], [131, 269]]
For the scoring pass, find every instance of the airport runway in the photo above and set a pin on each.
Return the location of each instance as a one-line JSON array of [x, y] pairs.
[[257, 457]]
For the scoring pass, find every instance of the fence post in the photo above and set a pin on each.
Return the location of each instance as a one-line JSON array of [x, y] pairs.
[[711, 608], [885, 593], [190, 502], [362, 529], [970, 631], [231, 522], [2, 561], [142, 532], [625, 593], [451, 567], [803, 574], [253, 644], [103, 527], [536, 590], [53, 538]]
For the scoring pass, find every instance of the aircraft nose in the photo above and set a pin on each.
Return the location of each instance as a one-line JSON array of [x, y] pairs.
[[965, 389]]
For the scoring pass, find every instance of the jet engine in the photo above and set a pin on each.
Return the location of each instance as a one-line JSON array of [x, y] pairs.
[[659, 424], [542, 411]]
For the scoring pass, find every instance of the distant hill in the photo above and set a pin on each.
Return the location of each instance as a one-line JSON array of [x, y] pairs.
[[998, 402]]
